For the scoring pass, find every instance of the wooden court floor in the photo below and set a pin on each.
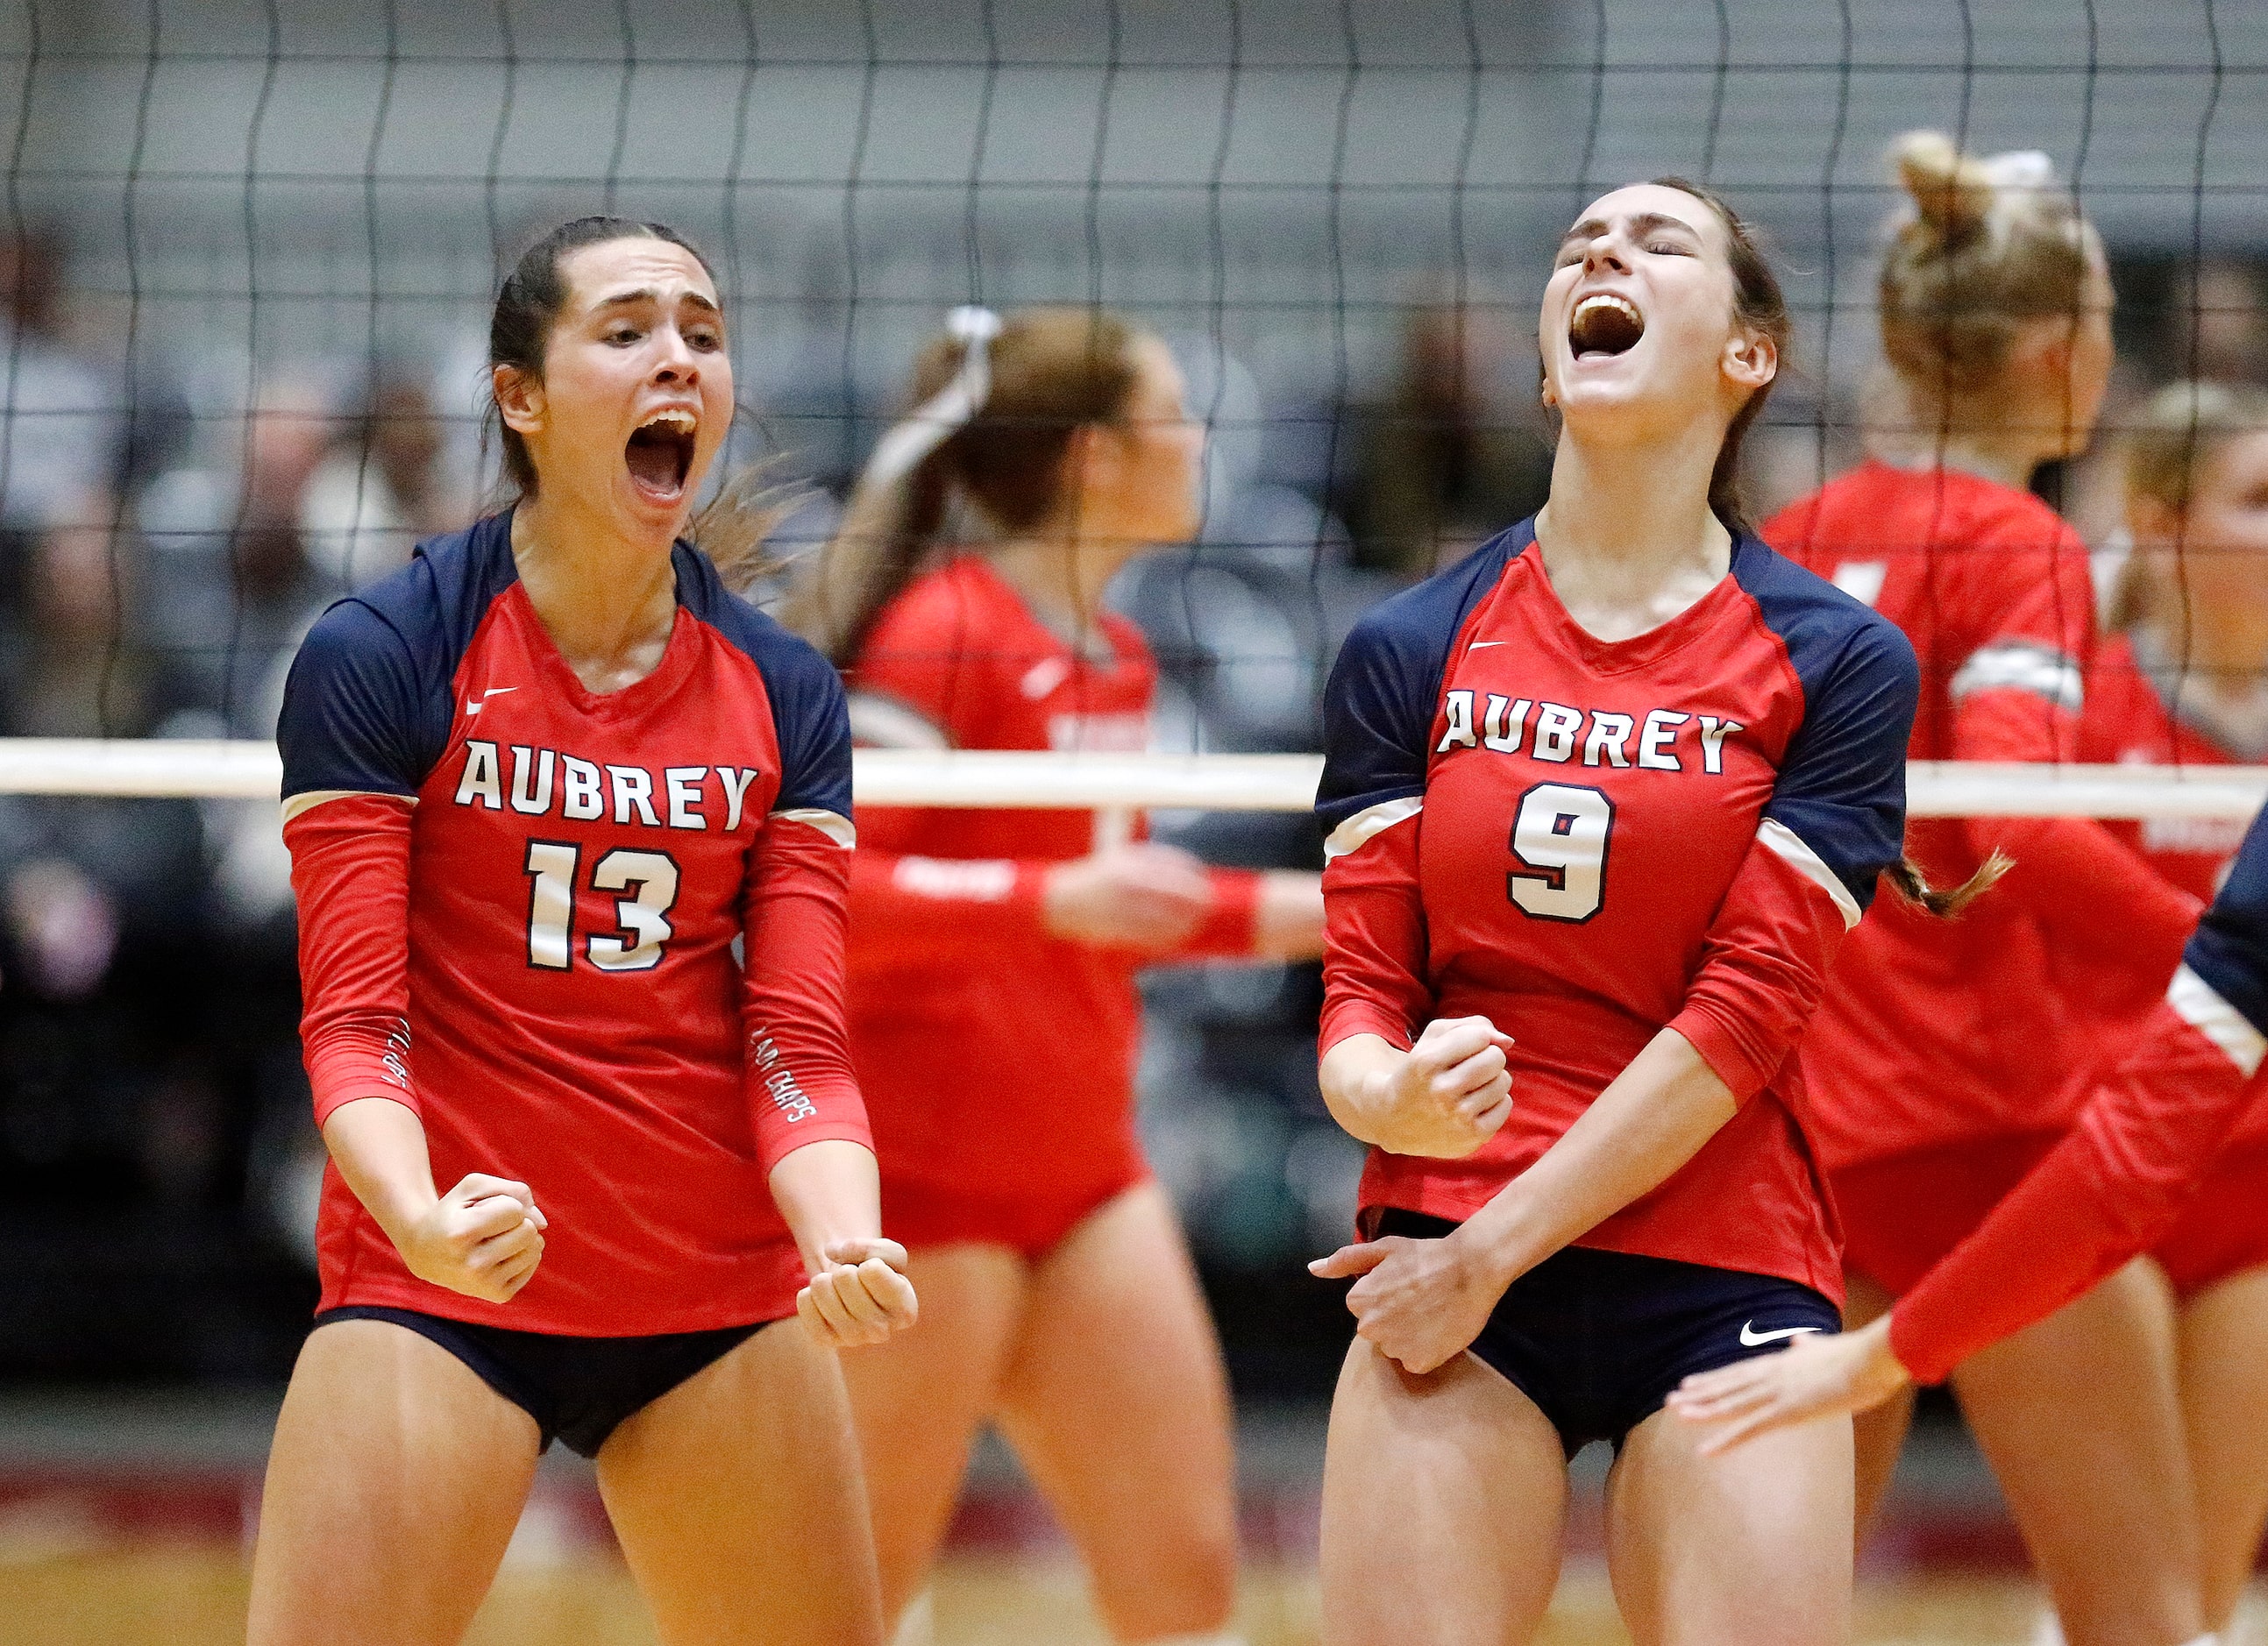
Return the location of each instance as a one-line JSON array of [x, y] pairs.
[[193, 1595]]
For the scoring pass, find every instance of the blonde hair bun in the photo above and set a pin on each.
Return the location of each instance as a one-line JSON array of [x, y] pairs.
[[1952, 192]]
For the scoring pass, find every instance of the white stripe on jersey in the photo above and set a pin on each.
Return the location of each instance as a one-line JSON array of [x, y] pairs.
[[883, 723], [1786, 844], [2200, 1006], [833, 825], [2039, 669], [1356, 832], [307, 802]]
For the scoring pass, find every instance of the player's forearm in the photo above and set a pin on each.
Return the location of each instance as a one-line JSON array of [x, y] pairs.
[[1287, 920], [829, 1192], [1650, 1120], [1357, 1077], [379, 1146]]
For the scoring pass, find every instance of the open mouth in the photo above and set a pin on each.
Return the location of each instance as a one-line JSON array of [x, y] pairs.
[[660, 454], [1604, 325]]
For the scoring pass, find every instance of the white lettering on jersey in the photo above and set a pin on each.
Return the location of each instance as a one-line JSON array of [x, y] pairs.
[[1653, 751], [1556, 726], [1102, 734], [1459, 733], [736, 780], [537, 800], [481, 779], [780, 1080], [1713, 743], [683, 783], [633, 787], [582, 804], [1609, 734], [1499, 734]]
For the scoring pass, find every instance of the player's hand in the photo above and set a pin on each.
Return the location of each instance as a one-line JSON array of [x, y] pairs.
[[1142, 896], [1449, 1094], [1815, 1375], [483, 1238], [1418, 1302], [860, 1296]]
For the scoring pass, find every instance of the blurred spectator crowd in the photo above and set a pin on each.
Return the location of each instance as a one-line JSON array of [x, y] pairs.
[[158, 564]]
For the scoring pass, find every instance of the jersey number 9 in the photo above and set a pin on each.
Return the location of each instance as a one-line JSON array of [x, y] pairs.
[[1559, 838], [649, 877]]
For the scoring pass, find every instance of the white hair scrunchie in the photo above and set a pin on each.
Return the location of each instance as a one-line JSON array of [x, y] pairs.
[[939, 418]]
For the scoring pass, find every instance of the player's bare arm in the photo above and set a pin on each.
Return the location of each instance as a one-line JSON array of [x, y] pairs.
[[1443, 1098], [483, 1237], [857, 1293]]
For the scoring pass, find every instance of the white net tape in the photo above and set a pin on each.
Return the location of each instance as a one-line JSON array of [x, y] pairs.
[[1220, 783]]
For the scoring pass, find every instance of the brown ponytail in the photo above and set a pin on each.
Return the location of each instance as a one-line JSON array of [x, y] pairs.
[[1053, 370], [1946, 903]]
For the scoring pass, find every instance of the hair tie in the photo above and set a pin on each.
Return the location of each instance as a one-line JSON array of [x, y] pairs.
[[948, 411]]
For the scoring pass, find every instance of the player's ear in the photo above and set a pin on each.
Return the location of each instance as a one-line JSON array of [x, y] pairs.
[[519, 398], [1751, 359]]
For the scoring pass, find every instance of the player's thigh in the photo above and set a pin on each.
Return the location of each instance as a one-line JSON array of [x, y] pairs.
[[394, 1485], [737, 1500], [1115, 1398], [2224, 1396], [1444, 1501], [1878, 1434], [2077, 1416], [918, 1399], [1753, 1546]]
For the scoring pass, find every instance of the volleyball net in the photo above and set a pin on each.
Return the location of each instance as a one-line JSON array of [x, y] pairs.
[[250, 250]]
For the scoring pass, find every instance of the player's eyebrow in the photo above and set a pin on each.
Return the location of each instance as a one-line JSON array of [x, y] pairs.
[[1643, 224], [648, 294]]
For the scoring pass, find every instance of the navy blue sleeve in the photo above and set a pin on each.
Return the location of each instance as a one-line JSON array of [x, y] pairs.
[[353, 711], [2230, 948], [1841, 785], [814, 723], [1378, 706]]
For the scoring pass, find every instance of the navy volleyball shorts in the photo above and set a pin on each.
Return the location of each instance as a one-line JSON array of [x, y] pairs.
[[577, 1389], [1598, 1339]]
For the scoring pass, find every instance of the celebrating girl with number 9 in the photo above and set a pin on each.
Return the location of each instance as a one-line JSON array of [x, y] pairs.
[[539, 787], [1603, 802]]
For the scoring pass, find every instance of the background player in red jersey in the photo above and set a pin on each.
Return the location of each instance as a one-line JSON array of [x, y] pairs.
[[1940, 1068], [1604, 800], [2186, 683], [538, 785], [993, 1014]]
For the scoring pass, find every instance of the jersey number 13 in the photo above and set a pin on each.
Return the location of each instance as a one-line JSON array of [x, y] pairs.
[[649, 880]]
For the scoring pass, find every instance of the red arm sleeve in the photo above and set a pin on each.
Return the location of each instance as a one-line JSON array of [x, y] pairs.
[[1374, 946], [1764, 963], [2106, 1191], [793, 918], [1226, 933], [911, 909], [351, 874]]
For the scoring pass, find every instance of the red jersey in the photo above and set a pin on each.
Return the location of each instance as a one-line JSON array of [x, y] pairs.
[[1940, 1032], [1586, 841], [996, 1059], [519, 902]]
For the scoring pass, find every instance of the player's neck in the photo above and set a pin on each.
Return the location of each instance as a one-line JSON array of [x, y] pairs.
[[1628, 539], [1999, 443], [2223, 647], [609, 604], [1061, 578]]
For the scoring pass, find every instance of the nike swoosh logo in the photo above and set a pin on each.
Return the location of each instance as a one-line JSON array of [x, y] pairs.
[[493, 691], [1477, 644], [1750, 1337]]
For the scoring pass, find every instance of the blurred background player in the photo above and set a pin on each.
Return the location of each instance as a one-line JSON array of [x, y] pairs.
[[537, 786], [2184, 681], [993, 1015], [1569, 1050], [1939, 1069]]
